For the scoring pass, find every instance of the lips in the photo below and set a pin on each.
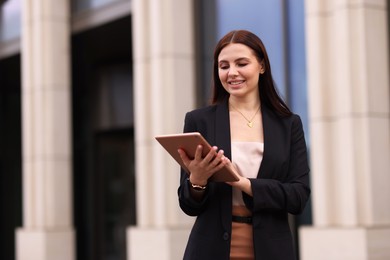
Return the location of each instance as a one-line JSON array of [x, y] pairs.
[[236, 82]]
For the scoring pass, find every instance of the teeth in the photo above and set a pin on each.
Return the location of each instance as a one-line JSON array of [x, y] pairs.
[[236, 82]]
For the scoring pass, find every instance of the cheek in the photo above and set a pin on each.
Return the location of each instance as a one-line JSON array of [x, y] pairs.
[[254, 75], [222, 76]]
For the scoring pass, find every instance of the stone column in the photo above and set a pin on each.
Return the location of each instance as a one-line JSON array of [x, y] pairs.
[[348, 68], [47, 232], [164, 90]]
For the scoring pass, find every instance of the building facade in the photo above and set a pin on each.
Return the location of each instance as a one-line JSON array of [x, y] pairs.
[[86, 85]]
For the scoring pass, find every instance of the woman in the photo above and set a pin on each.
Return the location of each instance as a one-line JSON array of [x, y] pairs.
[[254, 131]]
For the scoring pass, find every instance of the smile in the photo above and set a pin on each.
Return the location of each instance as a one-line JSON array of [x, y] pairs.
[[236, 82]]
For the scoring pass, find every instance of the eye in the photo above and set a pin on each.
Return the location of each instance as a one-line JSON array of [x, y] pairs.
[[242, 64], [223, 66]]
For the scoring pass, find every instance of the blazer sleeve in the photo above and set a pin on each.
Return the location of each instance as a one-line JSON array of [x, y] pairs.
[[188, 205], [287, 194]]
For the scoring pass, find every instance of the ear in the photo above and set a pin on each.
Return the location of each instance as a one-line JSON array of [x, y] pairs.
[[262, 67]]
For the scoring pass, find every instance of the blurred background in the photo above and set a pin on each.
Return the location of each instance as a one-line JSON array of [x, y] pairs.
[[86, 85]]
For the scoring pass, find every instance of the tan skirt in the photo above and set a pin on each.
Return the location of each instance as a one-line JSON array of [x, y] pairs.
[[241, 247]]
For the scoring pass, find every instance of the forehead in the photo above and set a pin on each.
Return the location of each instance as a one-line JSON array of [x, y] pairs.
[[234, 51]]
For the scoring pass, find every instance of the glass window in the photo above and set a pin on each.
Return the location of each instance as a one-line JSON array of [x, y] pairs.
[[297, 78], [10, 20]]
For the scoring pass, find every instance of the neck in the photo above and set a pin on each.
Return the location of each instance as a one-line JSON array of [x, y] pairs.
[[245, 104]]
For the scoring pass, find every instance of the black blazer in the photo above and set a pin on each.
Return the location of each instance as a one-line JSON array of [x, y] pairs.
[[281, 187]]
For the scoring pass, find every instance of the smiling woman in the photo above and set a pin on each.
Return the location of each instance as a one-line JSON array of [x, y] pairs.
[[231, 50], [256, 134], [239, 72]]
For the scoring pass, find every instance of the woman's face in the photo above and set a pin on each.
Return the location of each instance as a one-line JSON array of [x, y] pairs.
[[239, 69]]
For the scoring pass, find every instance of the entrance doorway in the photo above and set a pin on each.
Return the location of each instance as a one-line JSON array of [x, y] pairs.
[[10, 155], [103, 140]]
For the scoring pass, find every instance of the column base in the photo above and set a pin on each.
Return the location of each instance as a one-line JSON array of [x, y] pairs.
[[156, 243], [45, 244], [344, 243]]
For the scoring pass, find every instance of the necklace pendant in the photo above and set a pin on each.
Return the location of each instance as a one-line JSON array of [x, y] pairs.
[[250, 124]]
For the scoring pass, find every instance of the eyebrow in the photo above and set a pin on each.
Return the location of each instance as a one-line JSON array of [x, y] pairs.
[[237, 60]]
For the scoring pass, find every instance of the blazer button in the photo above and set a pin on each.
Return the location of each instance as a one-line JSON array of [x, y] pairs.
[[225, 236]]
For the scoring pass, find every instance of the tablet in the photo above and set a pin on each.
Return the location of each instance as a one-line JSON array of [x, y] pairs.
[[188, 142]]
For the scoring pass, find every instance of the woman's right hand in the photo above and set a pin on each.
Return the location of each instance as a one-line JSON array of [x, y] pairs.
[[201, 169]]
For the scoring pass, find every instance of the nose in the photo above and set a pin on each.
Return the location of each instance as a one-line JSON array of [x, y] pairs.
[[232, 71]]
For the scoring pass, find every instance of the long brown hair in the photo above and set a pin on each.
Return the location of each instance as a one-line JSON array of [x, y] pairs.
[[267, 90]]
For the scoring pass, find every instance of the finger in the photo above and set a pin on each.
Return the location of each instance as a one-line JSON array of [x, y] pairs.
[[223, 160], [183, 155], [211, 154], [217, 159], [198, 153]]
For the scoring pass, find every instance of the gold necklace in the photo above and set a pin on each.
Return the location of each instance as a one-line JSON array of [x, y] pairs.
[[249, 122]]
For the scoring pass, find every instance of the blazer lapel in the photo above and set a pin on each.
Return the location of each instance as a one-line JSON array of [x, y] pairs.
[[222, 138], [222, 128], [270, 137]]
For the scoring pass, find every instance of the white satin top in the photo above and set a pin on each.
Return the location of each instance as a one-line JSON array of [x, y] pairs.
[[246, 157]]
